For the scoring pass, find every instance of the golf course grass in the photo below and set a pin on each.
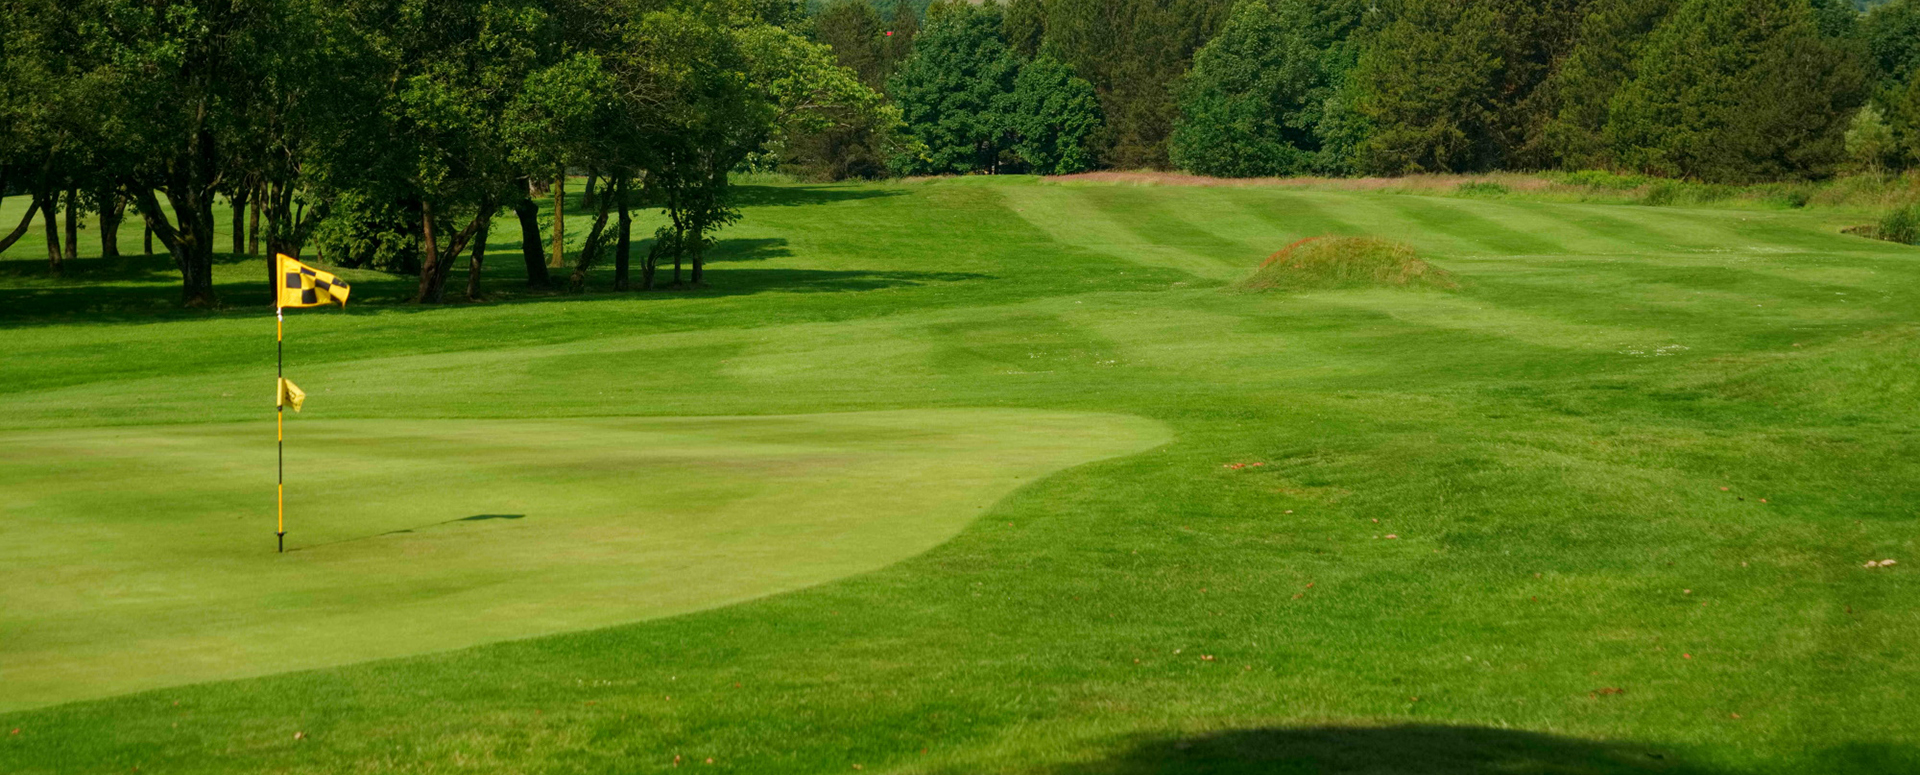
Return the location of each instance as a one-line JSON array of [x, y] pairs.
[[529, 528], [988, 475]]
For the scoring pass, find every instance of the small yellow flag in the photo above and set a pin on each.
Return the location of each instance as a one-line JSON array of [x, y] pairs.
[[290, 395], [304, 286]]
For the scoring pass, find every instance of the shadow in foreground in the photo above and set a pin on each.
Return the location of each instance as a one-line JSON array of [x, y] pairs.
[[1396, 750]]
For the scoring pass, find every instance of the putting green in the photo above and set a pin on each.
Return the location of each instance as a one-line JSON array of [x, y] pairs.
[[142, 557]]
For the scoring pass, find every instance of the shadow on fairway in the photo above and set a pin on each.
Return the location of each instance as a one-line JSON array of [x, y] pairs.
[[742, 249], [1414, 749], [474, 518], [88, 294]]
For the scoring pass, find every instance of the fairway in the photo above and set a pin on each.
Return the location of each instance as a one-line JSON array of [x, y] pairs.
[[430, 535], [988, 475]]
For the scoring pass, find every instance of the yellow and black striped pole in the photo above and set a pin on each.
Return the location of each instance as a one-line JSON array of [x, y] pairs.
[[294, 285], [279, 424]]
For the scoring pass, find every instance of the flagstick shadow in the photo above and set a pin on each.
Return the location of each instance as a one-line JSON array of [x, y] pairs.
[[474, 518]]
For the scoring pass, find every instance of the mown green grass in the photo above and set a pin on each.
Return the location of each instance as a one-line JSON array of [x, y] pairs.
[[1571, 451], [528, 528]]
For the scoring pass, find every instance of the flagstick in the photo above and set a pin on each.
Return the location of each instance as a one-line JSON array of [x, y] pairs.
[[279, 424]]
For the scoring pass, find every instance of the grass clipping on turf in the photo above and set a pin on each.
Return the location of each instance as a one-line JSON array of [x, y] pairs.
[[1317, 263]]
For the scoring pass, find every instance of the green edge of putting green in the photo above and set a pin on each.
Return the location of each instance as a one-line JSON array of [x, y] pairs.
[[152, 562]]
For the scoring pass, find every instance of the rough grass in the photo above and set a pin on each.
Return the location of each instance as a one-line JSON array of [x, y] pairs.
[[1345, 262]]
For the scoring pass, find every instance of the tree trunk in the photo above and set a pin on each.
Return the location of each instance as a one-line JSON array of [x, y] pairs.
[[439, 263], [112, 207], [194, 234], [430, 266], [50, 211], [276, 212], [190, 241], [253, 228], [479, 256], [591, 250], [623, 247], [33, 206], [73, 224], [239, 202], [280, 220], [593, 181], [697, 249], [146, 242], [559, 259], [530, 244]]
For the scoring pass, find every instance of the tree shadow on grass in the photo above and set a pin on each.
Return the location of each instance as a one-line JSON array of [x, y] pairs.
[[1411, 749], [109, 304], [141, 289], [126, 268], [738, 250]]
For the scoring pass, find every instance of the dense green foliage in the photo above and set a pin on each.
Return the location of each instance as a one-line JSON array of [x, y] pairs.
[[971, 103], [1724, 91], [952, 91], [1052, 115], [387, 133], [1250, 105], [1737, 90]]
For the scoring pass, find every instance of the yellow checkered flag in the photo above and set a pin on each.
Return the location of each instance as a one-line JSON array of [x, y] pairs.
[[304, 286]]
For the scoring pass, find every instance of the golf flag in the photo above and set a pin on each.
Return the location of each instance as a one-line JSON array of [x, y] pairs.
[[290, 395], [304, 286]]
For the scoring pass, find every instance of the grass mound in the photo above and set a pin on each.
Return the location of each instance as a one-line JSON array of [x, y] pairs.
[[1345, 262]]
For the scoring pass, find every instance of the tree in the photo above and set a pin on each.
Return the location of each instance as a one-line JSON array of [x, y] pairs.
[[713, 118], [1248, 107], [435, 133], [61, 137], [811, 95], [194, 77], [858, 38], [1601, 61], [1870, 142], [950, 92], [1737, 90], [1053, 115], [1429, 87], [1133, 52], [1025, 27], [1892, 37], [857, 143], [1539, 36]]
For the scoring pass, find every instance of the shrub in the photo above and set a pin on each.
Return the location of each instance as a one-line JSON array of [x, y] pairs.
[[1481, 188], [1662, 193], [1901, 225]]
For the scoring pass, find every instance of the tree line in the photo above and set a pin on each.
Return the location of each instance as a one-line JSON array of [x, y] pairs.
[[1717, 90], [389, 133]]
